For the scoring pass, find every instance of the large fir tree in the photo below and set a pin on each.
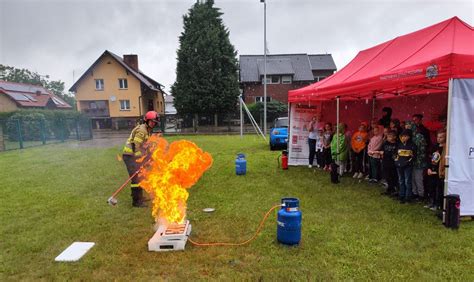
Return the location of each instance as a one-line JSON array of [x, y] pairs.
[[206, 74]]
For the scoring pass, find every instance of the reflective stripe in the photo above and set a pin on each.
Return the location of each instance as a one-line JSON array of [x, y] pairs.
[[134, 185], [127, 150], [138, 153], [137, 139]]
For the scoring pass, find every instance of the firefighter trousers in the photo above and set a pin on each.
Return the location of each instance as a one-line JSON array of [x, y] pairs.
[[132, 167]]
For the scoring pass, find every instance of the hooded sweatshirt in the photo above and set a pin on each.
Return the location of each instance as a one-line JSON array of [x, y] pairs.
[[375, 144], [359, 141], [340, 147], [405, 154], [420, 161]]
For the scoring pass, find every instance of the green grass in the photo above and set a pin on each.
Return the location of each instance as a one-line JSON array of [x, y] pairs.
[[54, 195]]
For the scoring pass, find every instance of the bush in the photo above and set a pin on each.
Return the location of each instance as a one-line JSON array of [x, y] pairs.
[[274, 109], [32, 126]]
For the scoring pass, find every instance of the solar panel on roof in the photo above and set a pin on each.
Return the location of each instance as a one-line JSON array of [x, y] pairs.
[[57, 101], [31, 98], [19, 97], [21, 87]]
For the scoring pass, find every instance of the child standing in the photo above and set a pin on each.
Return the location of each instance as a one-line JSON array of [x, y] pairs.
[[327, 138], [406, 152], [436, 171], [373, 149], [419, 162], [389, 150], [358, 144], [339, 149], [319, 148]]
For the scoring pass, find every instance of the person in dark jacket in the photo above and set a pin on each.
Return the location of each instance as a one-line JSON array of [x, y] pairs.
[[405, 155], [436, 171], [389, 150], [386, 117]]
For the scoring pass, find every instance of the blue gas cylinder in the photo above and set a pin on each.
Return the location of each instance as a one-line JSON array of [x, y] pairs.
[[289, 222], [240, 164]]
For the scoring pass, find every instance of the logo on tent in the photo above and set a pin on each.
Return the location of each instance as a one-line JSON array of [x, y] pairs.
[[471, 153], [432, 71]]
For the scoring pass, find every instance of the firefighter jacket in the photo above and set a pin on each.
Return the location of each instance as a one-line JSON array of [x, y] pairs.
[[135, 143]]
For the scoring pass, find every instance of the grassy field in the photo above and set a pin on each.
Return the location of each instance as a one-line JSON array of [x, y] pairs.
[[54, 195]]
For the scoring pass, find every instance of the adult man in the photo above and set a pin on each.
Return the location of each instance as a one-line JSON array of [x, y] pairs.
[[386, 117], [135, 148]]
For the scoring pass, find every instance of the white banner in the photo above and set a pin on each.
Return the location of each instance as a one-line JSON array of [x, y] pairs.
[[461, 144], [300, 116]]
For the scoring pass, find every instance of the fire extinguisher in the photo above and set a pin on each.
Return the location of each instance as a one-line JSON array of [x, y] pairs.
[[284, 160]]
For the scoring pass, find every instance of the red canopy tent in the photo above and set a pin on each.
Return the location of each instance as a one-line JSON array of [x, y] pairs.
[[436, 59], [416, 63]]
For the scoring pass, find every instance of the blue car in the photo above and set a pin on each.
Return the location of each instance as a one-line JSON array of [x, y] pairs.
[[279, 133]]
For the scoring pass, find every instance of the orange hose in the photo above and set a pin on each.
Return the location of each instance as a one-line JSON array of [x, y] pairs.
[[242, 243]]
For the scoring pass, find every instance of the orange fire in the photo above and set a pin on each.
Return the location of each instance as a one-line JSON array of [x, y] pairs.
[[172, 170]]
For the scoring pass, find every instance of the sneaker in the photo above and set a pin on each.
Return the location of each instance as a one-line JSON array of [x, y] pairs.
[[427, 206], [367, 177], [361, 175], [310, 166], [355, 175], [433, 208]]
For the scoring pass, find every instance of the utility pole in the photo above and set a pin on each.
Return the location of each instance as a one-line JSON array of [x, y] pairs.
[[264, 66]]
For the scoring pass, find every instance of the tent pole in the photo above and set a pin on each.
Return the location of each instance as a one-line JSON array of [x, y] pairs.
[[373, 108], [337, 130], [448, 127]]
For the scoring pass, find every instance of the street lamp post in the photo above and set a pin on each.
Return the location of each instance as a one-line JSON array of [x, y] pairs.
[[264, 66]]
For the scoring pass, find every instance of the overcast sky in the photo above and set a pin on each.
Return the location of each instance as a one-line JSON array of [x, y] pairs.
[[59, 37]]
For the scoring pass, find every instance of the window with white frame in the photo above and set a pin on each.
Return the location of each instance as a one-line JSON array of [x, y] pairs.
[[286, 79], [123, 83], [125, 105], [272, 79], [99, 84], [260, 99]]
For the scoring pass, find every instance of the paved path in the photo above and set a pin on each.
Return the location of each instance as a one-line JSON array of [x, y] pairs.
[[97, 143]]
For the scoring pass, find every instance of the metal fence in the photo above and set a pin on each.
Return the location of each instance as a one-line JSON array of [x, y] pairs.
[[24, 133], [226, 124]]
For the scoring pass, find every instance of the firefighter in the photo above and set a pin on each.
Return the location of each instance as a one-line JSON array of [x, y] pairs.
[[134, 149]]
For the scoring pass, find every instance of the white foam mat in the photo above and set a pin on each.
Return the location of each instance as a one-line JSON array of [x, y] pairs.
[[75, 251]]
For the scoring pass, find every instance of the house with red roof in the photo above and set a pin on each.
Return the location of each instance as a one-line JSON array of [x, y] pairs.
[[14, 96], [114, 92]]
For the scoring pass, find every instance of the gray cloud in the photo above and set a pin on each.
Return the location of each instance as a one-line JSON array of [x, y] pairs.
[[58, 37]]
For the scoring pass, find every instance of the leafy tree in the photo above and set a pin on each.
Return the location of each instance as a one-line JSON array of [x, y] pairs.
[[206, 73], [8, 73], [274, 109]]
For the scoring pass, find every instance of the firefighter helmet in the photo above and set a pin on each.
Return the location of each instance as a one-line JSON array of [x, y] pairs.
[[151, 115]]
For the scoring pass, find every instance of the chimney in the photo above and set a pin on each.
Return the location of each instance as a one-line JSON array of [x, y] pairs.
[[131, 61], [38, 93]]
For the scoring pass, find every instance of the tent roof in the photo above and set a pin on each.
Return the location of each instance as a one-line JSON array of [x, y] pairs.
[[420, 62]]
